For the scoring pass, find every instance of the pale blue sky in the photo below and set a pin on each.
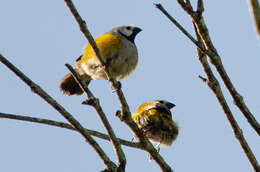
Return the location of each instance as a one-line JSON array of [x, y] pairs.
[[39, 37]]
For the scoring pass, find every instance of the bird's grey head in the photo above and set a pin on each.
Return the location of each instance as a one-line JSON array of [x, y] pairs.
[[128, 31], [164, 103]]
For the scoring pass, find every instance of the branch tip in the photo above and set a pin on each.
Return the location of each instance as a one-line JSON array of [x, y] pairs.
[[157, 5], [188, 4], [120, 115], [89, 101], [202, 78], [200, 7]]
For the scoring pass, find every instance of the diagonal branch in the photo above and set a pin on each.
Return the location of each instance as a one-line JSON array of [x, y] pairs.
[[216, 60], [67, 126], [83, 27], [93, 101], [211, 80], [215, 87], [38, 90], [186, 6], [125, 111], [184, 31], [255, 12]]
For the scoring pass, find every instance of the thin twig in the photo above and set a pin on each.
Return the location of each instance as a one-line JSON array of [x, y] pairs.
[[215, 87], [83, 27], [125, 111], [212, 82], [200, 7], [67, 126], [95, 103], [38, 90], [186, 6], [202, 78], [255, 12], [179, 26], [216, 60]]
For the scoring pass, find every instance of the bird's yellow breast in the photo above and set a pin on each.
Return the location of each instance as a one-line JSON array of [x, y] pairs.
[[107, 43]]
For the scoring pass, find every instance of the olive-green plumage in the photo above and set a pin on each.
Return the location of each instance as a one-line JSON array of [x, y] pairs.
[[155, 120]]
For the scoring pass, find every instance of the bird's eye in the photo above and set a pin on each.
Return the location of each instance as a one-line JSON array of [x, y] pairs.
[[161, 101], [128, 28]]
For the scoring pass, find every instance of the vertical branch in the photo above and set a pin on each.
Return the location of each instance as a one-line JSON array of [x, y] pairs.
[[255, 12], [38, 90]]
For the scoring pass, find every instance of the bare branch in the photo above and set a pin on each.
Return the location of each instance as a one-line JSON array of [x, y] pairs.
[[125, 111], [95, 103], [255, 12], [38, 90], [216, 61], [184, 31], [204, 39], [202, 78], [67, 126], [215, 87], [186, 6], [200, 7], [211, 52]]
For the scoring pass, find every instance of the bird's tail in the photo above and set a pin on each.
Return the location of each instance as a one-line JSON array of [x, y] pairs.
[[69, 86]]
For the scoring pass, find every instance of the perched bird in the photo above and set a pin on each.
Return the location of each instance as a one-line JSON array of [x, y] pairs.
[[155, 120], [119, 52]]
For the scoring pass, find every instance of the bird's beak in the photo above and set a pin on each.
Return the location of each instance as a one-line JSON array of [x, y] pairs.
[[137, 30], [170, 105]]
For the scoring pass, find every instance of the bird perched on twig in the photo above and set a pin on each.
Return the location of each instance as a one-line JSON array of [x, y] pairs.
[[119, 51], [155, 120]]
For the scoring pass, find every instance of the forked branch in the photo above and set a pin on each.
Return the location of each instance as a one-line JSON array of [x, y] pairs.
[[67, 126], [205, 47], [125, 112], [39, 91]]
